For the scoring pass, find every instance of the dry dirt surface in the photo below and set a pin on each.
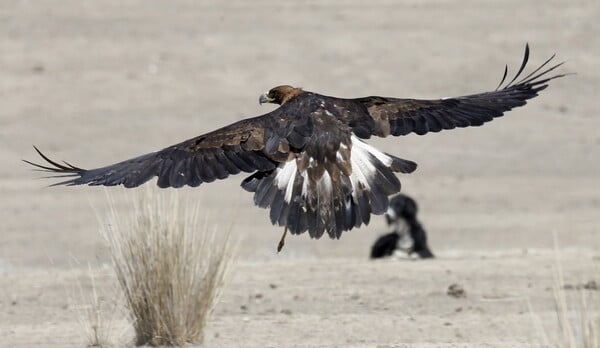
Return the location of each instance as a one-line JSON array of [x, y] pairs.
[[95, 82]]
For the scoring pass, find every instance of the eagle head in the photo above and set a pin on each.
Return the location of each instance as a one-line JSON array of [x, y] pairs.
[[279, 95]]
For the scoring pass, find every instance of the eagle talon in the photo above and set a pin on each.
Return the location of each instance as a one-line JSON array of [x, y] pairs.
[[282, 240]]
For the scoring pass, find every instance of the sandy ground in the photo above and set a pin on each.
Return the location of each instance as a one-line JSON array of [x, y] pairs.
[[97, 82]]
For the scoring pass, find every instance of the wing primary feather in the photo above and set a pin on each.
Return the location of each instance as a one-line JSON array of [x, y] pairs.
[[71, 166], [525, 59], [537, 69], [59, 167], [66, 182], [532, 80], [70, 175], [42, 168], [503, 77]]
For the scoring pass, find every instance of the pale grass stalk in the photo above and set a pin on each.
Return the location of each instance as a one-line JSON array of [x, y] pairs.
[[579, 324], [96, 314], [170, 271], [538, 327]]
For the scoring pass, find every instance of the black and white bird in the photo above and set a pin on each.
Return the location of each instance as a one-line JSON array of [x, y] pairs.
[[308, 160]]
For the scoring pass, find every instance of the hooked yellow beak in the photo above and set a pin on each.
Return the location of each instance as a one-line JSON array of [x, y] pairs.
[[264, 98]]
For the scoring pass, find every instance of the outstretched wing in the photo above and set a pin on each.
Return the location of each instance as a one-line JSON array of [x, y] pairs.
[[393, 116], [255, 144]]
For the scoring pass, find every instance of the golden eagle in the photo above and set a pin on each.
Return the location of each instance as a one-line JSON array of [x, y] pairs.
[[308, 161]]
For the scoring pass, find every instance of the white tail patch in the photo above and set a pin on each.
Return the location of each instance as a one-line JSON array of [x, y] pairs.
[[363, 171], [319, 206], [285, 177], [364, 148], [325, 185]]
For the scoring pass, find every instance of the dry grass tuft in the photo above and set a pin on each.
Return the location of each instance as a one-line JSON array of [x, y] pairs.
[[170, 270], [96, 313], [579, 323], [578, 320]]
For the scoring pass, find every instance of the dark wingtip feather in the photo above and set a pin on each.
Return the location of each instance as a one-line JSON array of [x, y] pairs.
[[532, 80], [57, 166], [42, 168], [72, 166], [58, 170], [538, 69], [525, 60], [535, 79], [503, 77]]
